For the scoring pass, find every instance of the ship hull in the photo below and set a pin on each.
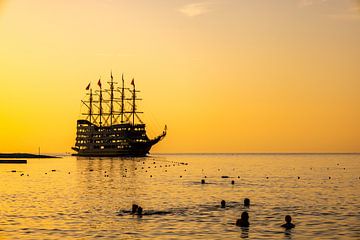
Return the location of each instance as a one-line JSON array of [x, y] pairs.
[[139, 150], [120, 140]]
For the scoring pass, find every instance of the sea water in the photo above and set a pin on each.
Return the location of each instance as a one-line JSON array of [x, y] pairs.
[[69, 197]]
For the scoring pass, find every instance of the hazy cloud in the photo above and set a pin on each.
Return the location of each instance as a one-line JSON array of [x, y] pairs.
[[357, 2], [350, 13], [306, 3], [195, 9], [346, 12]]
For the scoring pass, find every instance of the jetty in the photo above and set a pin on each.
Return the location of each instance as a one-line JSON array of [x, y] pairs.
[[13, 161], [24, 155]]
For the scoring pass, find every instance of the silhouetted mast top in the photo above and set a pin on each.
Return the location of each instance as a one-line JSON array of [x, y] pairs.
[[108, 108]]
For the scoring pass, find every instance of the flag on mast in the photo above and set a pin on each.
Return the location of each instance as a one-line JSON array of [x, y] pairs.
[[111, 76], [132, 82], [88, 87], [99, 83]]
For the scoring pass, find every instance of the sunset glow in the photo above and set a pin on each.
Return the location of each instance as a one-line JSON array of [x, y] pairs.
[[225, 76]]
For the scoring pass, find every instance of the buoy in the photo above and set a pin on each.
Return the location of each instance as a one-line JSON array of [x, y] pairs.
[[232, 182], [298, 177], [238, 176], [267, 177], [329, 177], [150, 175], [202, 181], [53, 170], [68, 172], [180, 176]]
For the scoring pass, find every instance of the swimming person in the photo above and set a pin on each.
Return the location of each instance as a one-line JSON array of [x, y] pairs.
[[288, 224], [134, 208], [223, 203], [243, 221], [246, 202], [139, 211]]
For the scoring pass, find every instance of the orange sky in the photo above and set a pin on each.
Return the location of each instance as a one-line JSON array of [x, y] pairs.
[[224, 75]]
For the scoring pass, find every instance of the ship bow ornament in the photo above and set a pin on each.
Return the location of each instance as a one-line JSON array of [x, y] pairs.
[[112, 126]]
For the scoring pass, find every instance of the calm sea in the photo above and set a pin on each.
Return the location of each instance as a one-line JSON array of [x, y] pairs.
[[70, 198]]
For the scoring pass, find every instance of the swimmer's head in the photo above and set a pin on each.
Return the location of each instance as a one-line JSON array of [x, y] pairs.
[[134, 208], [288, 218], [223, 203], [246, 202]]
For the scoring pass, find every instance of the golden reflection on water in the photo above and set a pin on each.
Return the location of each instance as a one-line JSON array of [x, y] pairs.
[[88, 198]]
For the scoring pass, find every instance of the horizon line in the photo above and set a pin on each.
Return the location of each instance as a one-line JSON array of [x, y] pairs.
[[256, 153], [213, 153]]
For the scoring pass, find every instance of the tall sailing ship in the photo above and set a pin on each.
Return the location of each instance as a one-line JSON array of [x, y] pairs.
[[112, 126]]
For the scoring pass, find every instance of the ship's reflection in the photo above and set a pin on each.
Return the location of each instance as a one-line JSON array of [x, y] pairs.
[[127, 175]]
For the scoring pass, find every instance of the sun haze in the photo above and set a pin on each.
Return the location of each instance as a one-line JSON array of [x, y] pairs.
[[225, 76]]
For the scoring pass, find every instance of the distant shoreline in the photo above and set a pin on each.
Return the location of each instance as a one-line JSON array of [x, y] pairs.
[[24, 155], [263, 153]]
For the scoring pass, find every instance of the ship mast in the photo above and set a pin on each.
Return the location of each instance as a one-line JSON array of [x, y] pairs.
[[122, 99], [111, 99], [133, 100], [90, 107], [100, 102]]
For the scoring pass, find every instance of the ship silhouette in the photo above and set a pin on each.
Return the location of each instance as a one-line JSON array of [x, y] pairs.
[[112, 126]]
